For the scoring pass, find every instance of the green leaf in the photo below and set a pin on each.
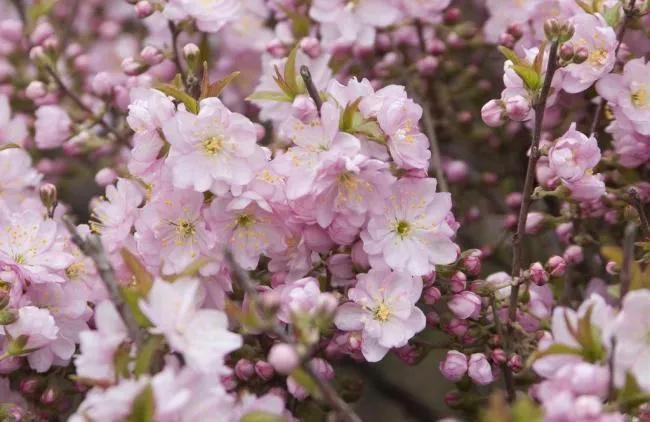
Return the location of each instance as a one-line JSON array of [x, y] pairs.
[[299, 23], [631, 395], [10, 145], [371, 130], [260, 416], [612, 15], [556, 349], [215, 89], [143, 280], [269, 96], [347, 117], [121, 360], [510, 55], [585, 6], [525, 410], [143, 407], [146, 354], [306, 381], [131, 297], [290, 73], [531, 79], [190, 103]]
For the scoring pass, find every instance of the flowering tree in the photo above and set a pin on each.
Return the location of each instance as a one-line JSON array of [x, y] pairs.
[[210, 209]]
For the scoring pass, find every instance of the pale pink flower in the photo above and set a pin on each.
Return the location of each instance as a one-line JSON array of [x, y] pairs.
[[210, 15], [411, 232], [52, 127], [97, 357], [573, 155], [149, 110], [212, 150], [382, 307], [588, 188], [429, 11], [12, 131], [479, 369], [16, 173], [465, 305], [201, 335], [33, 248], [116, 214], [112, 404], [632, 147], [36, 324], [247, 226], [629, 94], [594, 34]]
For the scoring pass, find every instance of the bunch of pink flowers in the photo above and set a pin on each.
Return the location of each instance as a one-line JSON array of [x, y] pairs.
[[235, 210]]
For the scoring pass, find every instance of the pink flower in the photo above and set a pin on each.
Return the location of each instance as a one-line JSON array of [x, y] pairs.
[[212, 150], [592, 33], [493, 113], [170, 230], [11, 130], [97, 357], [588, 188], [629, 94], [465, 305], [247, 226], [116, 214], [111, 404], [382, 307], [632, 148], [36, 325], [210, 15], [149, 110], [479, 369], [284, 358], [201, 335], [454, 366], [410, 232], [52, 127], [16, 173], [408, 147], [573, 154], [33, 248]]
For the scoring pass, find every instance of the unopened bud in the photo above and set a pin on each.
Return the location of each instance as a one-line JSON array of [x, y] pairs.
[[452, 16], [143, 9], [49, 396], [35, 90], [29, 385], [244, 369], [551, 29], [431, 295], [191, 52], [493, 113], [538, 274], [49, 197], [515, 363], [556, 266], [311, 46], [458, 282], [453, 399], [132, 67], [284, 358], [581, 55], [566, 52], [499, 356], [264, 370], [151, 55], [515, 30]]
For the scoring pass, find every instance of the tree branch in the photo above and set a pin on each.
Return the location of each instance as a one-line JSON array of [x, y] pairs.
[[311, 88]]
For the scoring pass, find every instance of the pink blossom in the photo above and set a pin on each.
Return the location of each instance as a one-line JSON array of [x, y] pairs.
[[382, 307], [116, 214], [36, 325], [573, 154], [201, 335], [210, 15], [33, 248], [588, 188], [11, 130], [454, 366], [52, 127], [111, 404], [411, 232], [465, 305], [479, 369], [212, 150]]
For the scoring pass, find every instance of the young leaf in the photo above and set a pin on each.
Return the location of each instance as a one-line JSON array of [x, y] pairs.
[[215, 89], [260, 416], [531, 79], [268, 96], [290, 72], [612, 15], [143, 407], [539, 59], [556, 349], [131, 297], [306, 381], [146, 355], [510, 55], [182, 96], [143, 279], [525, 410]]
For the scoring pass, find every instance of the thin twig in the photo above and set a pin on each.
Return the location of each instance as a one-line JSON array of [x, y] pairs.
[[628, 256], [329, 393], [311, 88], [611, 387], [640, 208], [176, 57], [629, 11], [529, 184], [92, 247], [436, 161], [80, 103]]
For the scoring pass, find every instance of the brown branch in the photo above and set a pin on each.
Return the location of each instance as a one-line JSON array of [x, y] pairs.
[[176, 57], [311, 88], [329, 393], [629, 12], [640, 208], [92, 247], [436, 161]]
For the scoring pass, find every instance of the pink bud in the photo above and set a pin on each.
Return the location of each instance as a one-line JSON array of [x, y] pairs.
[[453, 399], [82, 62], [35, 90], [433, 319], [431, 295], [303, 108], [276, 48], [151, 55], [37, 53], [132, 67], [472, 262], [456, 171], [510, 222], [518, 108], [612, 268], [479, 369], [538, 274], [515, 363], [264, 370], [454, 366], [143, 9], [452, 16], [49, 396], [573, 254], [427, 65], [43, 31], [499, 356], [534, 222], [29, 385], [429, 279], [515, 30], [458, 282], [465, 305], [513, 200], [457, 327], [102, 84], [105, 176], [311, 46], [507, 40], [11, 30], [244, 369], [283, 358], [564, 231], [492, 113], [556, 266]]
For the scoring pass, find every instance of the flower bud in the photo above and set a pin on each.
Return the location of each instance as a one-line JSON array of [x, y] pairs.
[[264, 370], [433, 319], [556, 266], [152, 55], [49, 396], [507, 40], [105, 176], [499, 356], [515, 363], [427, 65], [143, 9], [41, 32], [283, 358], [11, 30], [456, 171], [458, 282], [244, 369], [567, 52], [35, 90], [581, 55], [276, 48], [454, 366], [513, 200], [457, 327], [515, 30], [431, 295], [551, 29], [492, 113], [465, 305], [612, 268], [538, 274], [573, 255], [191, 52], [479, 369], [518, 108], [311, 46], [30, 385], [131, 67], [49, 197], [452, 16], [453, 399], [534, 222], [510, 222], [472, 262]]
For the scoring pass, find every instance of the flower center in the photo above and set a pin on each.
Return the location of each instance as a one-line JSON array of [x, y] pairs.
[[245, 220], [19, 259], [185, 228], [382, 312], [640, 98], [74, 270], [598, 57], [403, 228], [213, 145]]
